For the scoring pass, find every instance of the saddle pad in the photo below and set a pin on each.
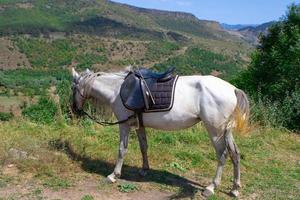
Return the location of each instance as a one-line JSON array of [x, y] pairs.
[[163, 94]]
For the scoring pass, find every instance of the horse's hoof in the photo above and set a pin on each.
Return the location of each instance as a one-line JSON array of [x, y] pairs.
[[143, 172], [207, 192], [111, 178], [235, 193]]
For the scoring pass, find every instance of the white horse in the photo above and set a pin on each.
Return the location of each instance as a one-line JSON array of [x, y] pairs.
[[218, 104]]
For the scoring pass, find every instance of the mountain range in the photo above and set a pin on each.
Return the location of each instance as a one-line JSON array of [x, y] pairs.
[[87, 20]]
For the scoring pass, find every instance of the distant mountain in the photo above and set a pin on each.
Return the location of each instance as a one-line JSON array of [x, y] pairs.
[[130, 35], [104, 18], [251, 33], [236, 26]]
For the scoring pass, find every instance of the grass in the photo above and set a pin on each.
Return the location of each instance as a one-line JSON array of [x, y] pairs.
[[87, 197], [270, 157], [56, 183], [127, 187]]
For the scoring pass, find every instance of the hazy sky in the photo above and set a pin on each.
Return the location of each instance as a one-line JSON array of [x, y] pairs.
[[226, 11]]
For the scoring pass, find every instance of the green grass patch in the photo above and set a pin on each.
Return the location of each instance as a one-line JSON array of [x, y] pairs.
[[56, 183], [127, 187], [5, 116], [87, 197], [5, 180], [42, 112]]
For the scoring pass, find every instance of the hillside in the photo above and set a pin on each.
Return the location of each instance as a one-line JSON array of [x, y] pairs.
[[251, 33], [39, 36], [101, 18]]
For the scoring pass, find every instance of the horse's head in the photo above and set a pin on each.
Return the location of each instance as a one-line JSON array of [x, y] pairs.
[[78, 92]]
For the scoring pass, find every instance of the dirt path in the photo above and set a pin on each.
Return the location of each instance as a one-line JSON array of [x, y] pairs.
[[90, 188], [85, 186]]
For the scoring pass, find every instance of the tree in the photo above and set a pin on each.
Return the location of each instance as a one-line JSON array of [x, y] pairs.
[[275, 66], [274, 72]]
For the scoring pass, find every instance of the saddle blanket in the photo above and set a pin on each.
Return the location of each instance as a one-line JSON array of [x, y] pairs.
[[163, 95]]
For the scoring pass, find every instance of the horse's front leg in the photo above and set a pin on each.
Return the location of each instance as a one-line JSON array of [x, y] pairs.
[[141, 133], [124, 135]]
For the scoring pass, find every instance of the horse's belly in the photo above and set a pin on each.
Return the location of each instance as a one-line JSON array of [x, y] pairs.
[[167, 121]]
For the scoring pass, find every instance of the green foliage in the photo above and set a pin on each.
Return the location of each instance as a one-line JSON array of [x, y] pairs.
[[177, 166], [32, 82], [42, 112], [290, 111], [63, 89], [157, 50], [4, 180], [164, 138], [88, 59], [87, 197], [197, 60], [56, 183], [47, 54], [127, 187], [5, 116], [275, 68]]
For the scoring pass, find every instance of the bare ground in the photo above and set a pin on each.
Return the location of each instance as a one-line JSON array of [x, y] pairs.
[[26, 186], [10, 57]]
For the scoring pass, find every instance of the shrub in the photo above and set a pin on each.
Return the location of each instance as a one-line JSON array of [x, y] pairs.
[[42, 112], [291, 111], [5, 116]]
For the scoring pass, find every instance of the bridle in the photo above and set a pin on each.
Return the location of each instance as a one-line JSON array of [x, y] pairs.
[[81, 112]]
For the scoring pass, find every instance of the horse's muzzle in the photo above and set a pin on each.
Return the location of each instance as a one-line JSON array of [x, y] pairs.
[[76, 111]]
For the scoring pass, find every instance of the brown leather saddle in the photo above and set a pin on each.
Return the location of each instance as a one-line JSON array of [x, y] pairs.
[[146, 91]]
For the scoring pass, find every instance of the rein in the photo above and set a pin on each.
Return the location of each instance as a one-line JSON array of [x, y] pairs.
[[105, 123]]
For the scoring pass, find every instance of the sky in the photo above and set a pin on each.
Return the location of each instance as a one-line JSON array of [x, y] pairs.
[[224, 11]]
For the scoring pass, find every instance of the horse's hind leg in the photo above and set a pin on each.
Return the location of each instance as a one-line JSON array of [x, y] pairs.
[[141, 133], [235, 157], [218, 141]]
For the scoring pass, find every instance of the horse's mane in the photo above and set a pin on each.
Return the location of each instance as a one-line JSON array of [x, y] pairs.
[[87, 79]]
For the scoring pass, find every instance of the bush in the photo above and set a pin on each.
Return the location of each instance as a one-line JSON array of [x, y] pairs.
[[5, 116], [277, 114], [43, 112], [291, 111]]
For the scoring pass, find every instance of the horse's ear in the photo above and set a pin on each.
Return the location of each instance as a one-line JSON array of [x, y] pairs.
[[87, 71], [75, 75]]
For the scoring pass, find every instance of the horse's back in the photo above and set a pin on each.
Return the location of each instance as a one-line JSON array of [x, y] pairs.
[[196, 97]]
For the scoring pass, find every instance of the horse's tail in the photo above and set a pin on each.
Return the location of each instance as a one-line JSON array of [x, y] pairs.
[[241, 113]]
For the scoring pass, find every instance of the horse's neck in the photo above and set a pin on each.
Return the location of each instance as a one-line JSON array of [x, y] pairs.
[[106, 88]]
